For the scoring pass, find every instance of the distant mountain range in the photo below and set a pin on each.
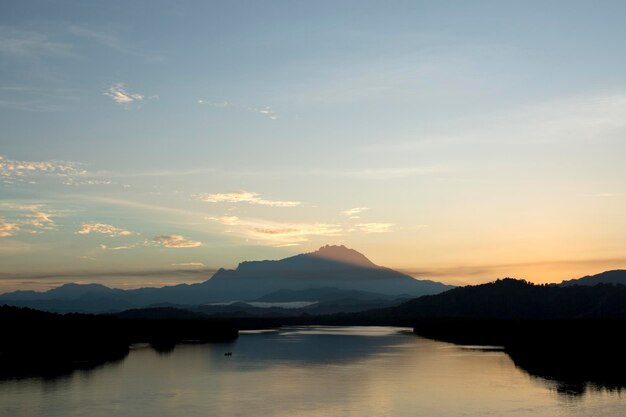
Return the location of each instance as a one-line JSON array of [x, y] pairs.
[[330, 280], [331, 273]]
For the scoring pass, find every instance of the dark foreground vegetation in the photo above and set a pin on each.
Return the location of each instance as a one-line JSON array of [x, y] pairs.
[[38, 343]]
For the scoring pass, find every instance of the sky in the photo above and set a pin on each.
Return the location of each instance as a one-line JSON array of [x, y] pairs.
[[150, 143]]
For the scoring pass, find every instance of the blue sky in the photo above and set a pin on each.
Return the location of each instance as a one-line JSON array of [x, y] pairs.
[[146, 143]]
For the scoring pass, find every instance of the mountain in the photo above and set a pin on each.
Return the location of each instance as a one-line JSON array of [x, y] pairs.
[[615, 277], [65, 291], [330, 266], [323, 294], [338, 267]]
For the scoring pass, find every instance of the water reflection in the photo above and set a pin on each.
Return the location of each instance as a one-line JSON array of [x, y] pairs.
[[570, 377], [305, 371]]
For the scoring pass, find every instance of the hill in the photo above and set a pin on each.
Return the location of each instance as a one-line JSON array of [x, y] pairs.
[[511, 299]]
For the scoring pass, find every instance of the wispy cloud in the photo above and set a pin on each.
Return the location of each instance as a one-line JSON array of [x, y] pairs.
[[119, 94], [294, 232], [22, 171], [112, 278], [103, 228], [219, 104], [190, 264], [18, 43], [122, 247], [7, 229], [33, 172], [226, 220], [175, 241], [375, 227], [609, 195], [112, 41], [581, 118], [29, 218], [265, 111], [38, 99], [382, 173], [353, 213], [277, 233], [40, 220], [244, 197]]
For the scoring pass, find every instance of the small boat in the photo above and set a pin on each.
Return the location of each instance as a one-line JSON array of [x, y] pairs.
[[228, 354]]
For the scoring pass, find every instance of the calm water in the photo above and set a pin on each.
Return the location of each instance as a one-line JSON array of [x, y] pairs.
[[306, 371]]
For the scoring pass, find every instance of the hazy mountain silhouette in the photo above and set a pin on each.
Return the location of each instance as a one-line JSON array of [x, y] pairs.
[[615, 277], [330, 266], [65, 291], [324, 294]]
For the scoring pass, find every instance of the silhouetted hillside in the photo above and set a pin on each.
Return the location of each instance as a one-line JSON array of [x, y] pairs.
[[510, 299], [615, 277], [39, 343]]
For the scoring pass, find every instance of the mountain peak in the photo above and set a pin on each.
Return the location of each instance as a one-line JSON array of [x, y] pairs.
[[342, 254]]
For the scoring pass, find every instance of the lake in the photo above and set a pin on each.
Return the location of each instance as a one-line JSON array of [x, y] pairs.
[[307, 371]]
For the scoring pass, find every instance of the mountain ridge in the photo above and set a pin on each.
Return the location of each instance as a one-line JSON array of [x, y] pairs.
[[330, 266]]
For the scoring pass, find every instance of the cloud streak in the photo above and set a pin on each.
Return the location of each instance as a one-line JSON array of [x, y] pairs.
[[190, 264], [122, 247], [277, 233], [244, 197], [265, 111], [375, 227], [583, 118], [218, 104], [382, 173], [226, 220], [17, 43], [291, 233], [175, 241]]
